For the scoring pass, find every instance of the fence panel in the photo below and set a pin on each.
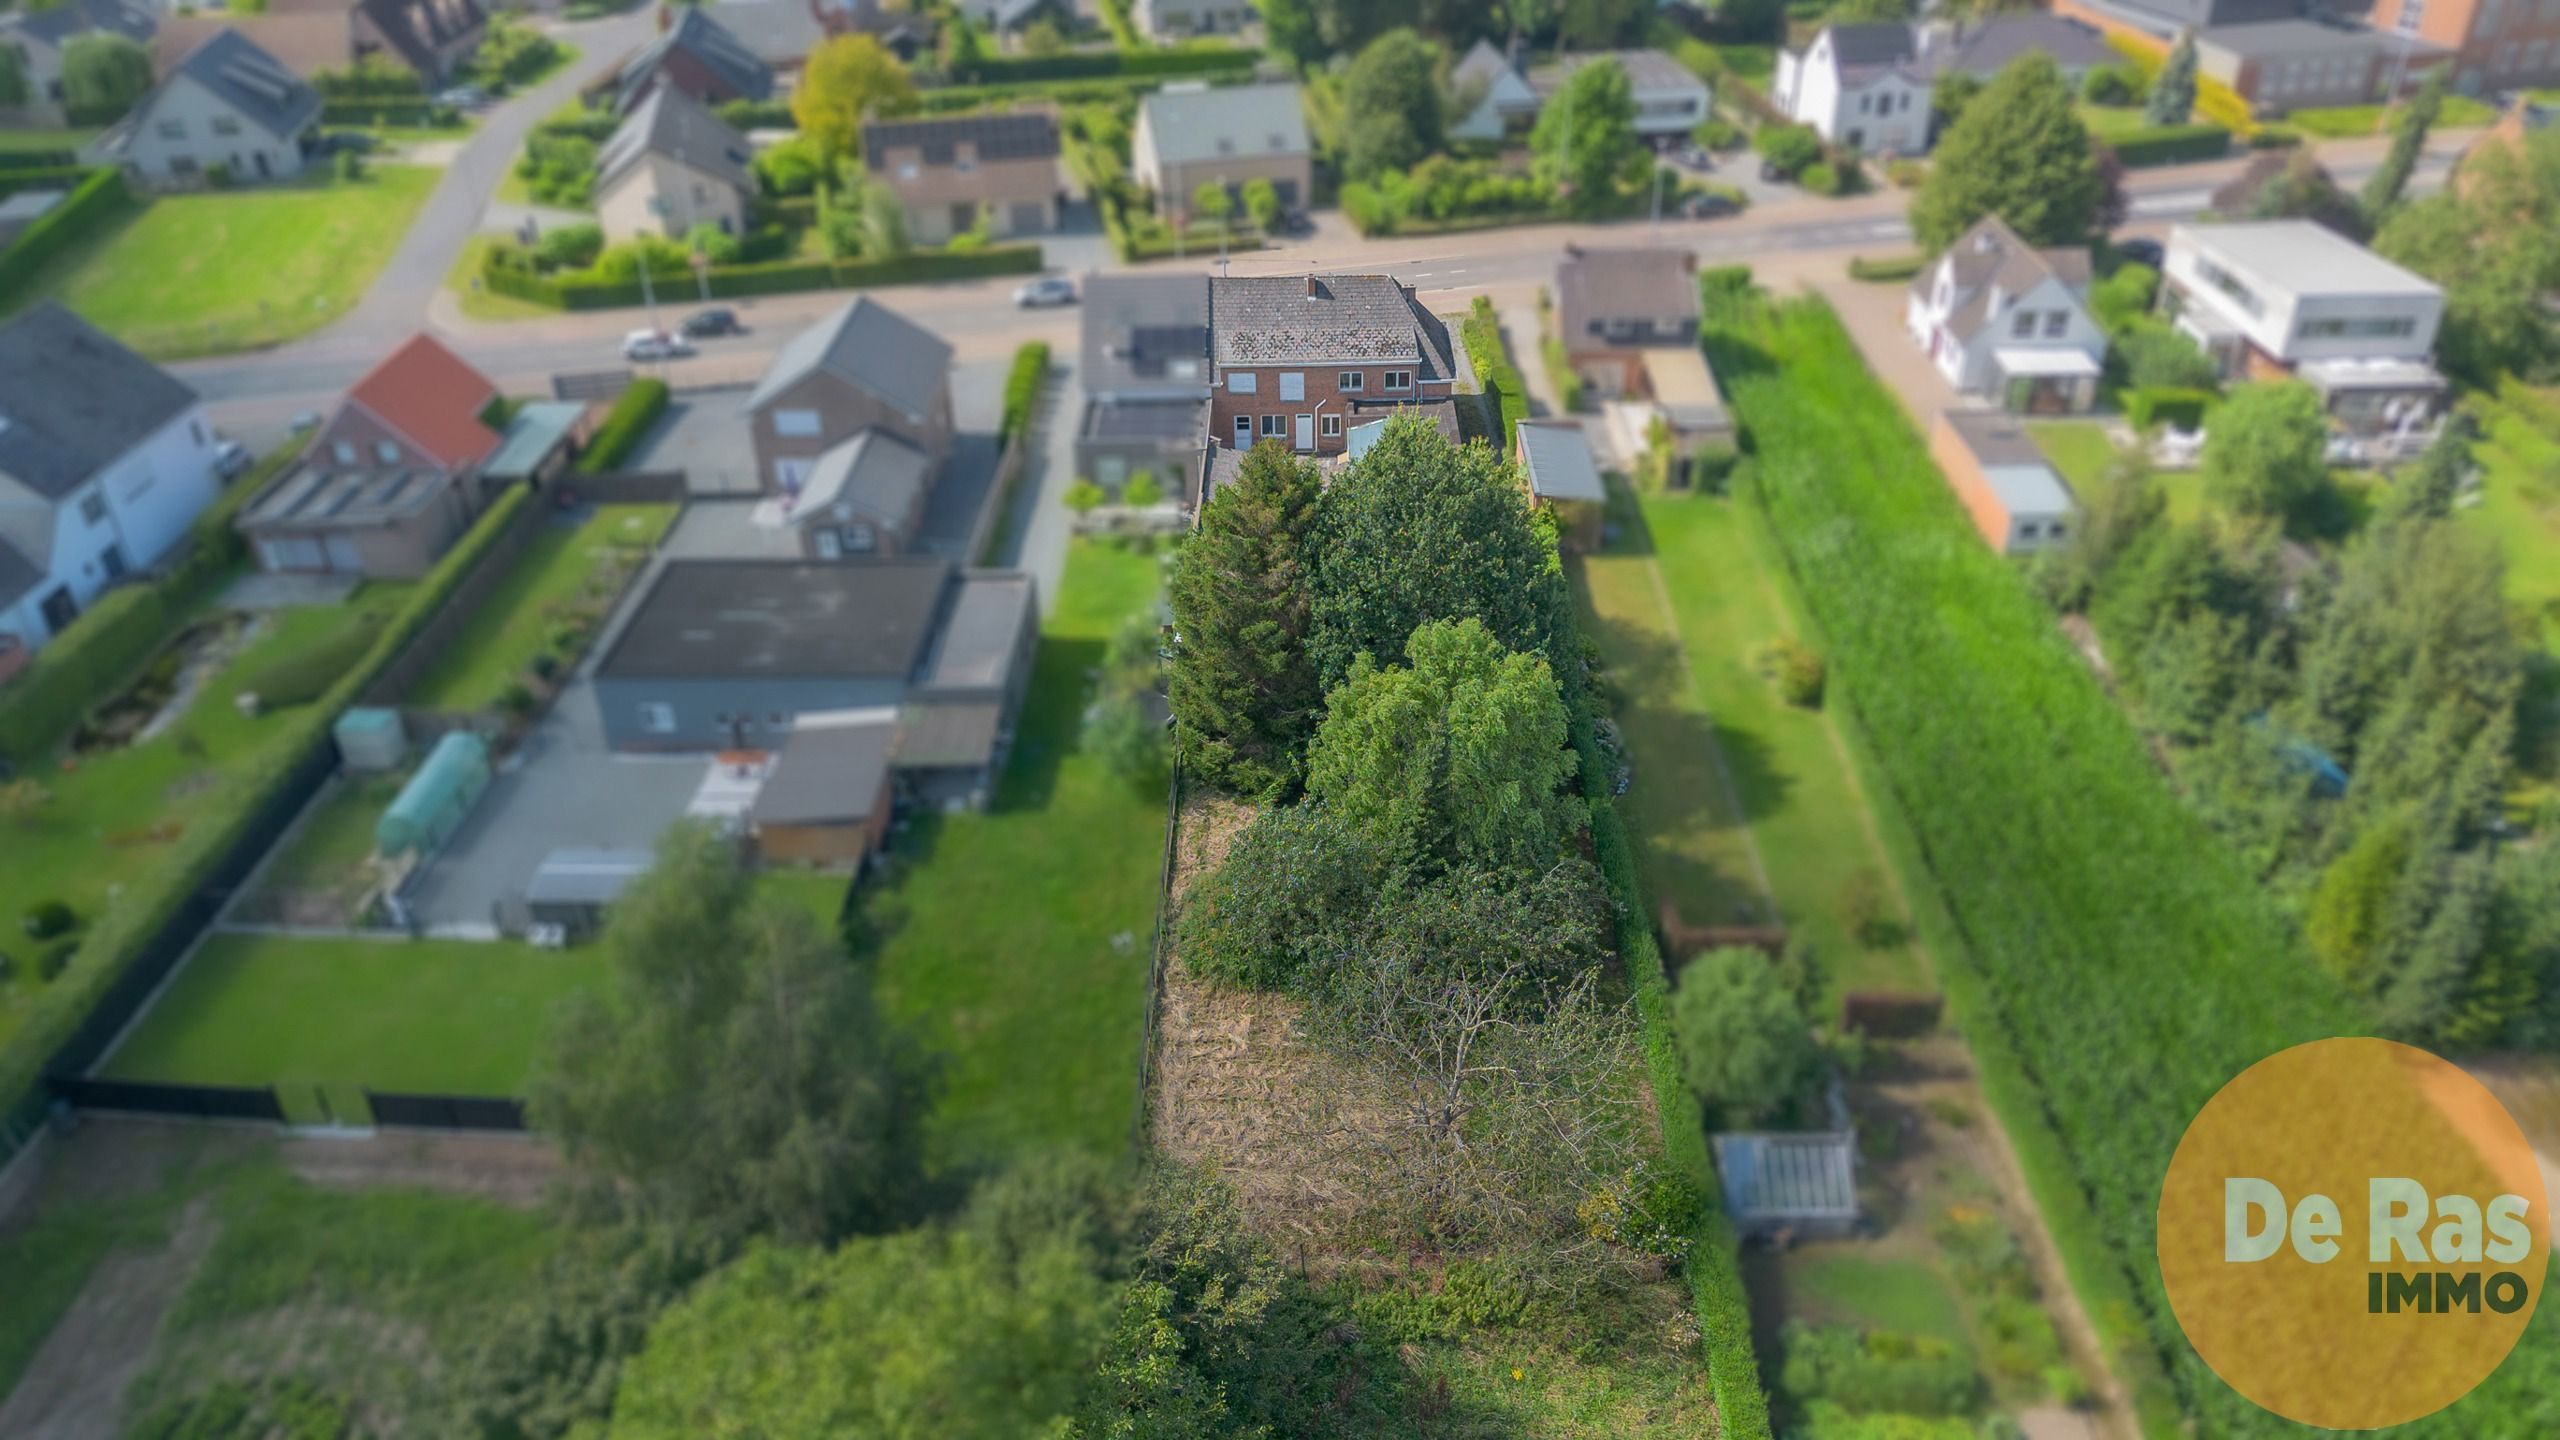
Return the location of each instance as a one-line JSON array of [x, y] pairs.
[[446, 1112], [202, 1102]]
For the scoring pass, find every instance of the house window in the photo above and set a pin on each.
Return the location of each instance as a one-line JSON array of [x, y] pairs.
[[93, 507], [1350, 381], [907, 170], [1240, 383], [1275, 426], [386, 451], [657, 717], [2022, 324], [1293, 385], [2055, 322], [1399, 380], [172, 129], [1332, 426], [795, 424], [226, 124], [343, 451], [860, 537], [966, 164]]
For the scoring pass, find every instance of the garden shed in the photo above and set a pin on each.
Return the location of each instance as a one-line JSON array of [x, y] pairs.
[[1790, 1186], [437, 799], [371, 740], [571, 888]]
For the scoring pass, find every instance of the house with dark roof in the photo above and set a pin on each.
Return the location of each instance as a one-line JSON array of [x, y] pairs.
[[1563, 478], [1862, 87], [781, 33], [430, 38], [40, 36], [670, 166], [105, 460], [1612, 306], [1497, 101], [953, 172], [1300, 359], [866, 367], [2003, 319], [2017, 501], [1191, 133], [864, 496], [1144, 364], [902, 31], [1983, 48], [734, 654], [694, 54], [228, 104], [391, 480]]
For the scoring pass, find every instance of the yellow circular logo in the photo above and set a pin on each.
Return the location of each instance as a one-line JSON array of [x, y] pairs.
[[2353, 1233]]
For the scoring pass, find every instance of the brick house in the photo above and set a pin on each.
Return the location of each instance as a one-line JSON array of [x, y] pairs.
[[2495, 44], [948, 172], [1300, 359], [866, 367], [696, 55], [1614, 305]]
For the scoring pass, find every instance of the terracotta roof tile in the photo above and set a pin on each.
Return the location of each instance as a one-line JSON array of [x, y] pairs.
[[434, 398]]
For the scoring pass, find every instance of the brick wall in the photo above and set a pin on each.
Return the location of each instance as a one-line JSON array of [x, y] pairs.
[[1331, 405]]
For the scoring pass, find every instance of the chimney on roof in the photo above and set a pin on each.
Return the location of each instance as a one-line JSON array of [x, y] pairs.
[[1312, 291]]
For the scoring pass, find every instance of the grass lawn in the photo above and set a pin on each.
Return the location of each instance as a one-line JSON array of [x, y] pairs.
[[1016, 940], [2081, 451], [443, 1016], [226, 270], [2339, 122], [2108, 121], [114, 815], [479, 302], [1680, 608], [338, 837], [19, 142], [816, 891], [1851, 1285], [517, 621]]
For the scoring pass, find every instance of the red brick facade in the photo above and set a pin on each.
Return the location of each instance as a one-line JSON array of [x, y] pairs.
[[1325, 407]]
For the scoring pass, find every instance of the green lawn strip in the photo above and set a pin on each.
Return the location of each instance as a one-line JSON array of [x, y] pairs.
[[337, 837], [1641, 1384], [819, 892], [225, 270], [2109, 121], [457, 1017], [42, 141], [1016, 940], [47, 1262], [1851, 1285], [516, 622], [114, 816]]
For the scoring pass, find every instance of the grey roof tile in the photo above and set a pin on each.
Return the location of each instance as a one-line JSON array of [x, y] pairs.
[[870, 345], [72, 400], [1285, 319], [1012, 135], [674, 124]]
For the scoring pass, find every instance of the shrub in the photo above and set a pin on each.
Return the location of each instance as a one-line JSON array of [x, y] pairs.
[[47, 918], [633, 412], [55, 959], [570, 247], [2170, 145], [1905, 172], [349, 166], [1716, 133], [1797, 672], [1022, 388], [1083, 497], [2151, 354], [1890, 268], [2182, 409], [306, 675], [2112, 85], [1789, 148], [1879, 1372], [1819, 178], [1651, 1209]]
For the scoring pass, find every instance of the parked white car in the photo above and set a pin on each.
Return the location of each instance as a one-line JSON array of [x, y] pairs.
[[655, 345], [1047, 290]]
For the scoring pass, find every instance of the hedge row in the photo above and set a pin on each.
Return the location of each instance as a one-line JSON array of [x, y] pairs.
[[1891, 267], [219, 822], [2167, 405], [1171, 61], [38, 160], [775, 278], [66, 176], [2170, 145], [1712, 1267], [633, 412], [1022, 389], [1482, 334], [387, 112], [89, 206]]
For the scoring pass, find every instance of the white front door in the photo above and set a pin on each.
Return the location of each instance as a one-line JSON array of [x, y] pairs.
[[1306, 432], [1244, 432]]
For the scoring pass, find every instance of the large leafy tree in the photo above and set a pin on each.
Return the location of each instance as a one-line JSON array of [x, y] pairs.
[[2265, 448], [2408, 141], [2173, 91], [2493, 243], [846, 78], [2020, 152], [1419, 530], [734, 1075], [1308, 31], [1741, 1034], [104, 74], [13, 75], [1243, 687], [1585, 139], [1391, 104], [1459, 757]]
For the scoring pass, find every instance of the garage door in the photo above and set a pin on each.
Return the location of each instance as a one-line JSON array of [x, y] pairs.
[[343, 554], [291, 553], [1027, 219]]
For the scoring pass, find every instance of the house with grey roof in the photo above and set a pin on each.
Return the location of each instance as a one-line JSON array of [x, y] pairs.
[[227, 104], [863, 497], [954, 173], [1191, 134], [1144, 365], [105, 461], [1862, 87], [1495, 101], [1614, 305], [40, 36], [1983, 48], [900, 29], [781, 33], [695, 54], [1300, 359], [2005, 320], [1670, 98], [734, 654], [865, 367], [670, 166]]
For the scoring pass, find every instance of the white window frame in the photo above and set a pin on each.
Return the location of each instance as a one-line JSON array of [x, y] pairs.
[[1241, 382], [797, 424], [1329, 425], [1351, 382]]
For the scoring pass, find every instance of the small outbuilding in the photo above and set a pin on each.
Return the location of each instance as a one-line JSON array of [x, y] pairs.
[[573, 888], [437, 799], [827, 801], [1996, 468], [1789, 1186], [371, 739], [1564, 478]]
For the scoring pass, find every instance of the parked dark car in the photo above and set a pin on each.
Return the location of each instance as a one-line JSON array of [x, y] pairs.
[[1770, 172], [2141, 252], [704, 323]]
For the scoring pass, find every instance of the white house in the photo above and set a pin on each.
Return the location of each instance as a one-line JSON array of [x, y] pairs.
[[228, 103], [1861, 86], [2295, 297], [1505, 103], [1670, 98], [105, 459], [672, 165], [2003, 319]]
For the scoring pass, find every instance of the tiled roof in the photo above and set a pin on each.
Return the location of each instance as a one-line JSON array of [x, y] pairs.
[[1992, 256], [252, 82], [433, 398], [1013, 135], [871, 345], [1283, 319], [1654, 283], [58, 25], [419, 29], [674, 124], [72, 400], [1220, 122], [740, 70]]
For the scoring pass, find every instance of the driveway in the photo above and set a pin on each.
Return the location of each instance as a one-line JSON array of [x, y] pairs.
[[704, 434]]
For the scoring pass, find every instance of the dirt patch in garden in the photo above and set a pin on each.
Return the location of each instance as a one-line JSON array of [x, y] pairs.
[[515, 1170], [74, 1387]]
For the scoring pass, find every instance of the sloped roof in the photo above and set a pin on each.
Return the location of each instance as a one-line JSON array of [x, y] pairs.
[[1504, 87], [1991, 257], [1648, 282], [1009, 135], [980, 638], [875, 474], [1646, 70], [253, 83], [1860, 47], [834, 769], [707, 41], [1281, 319], [677, 126], [1137, 329], [1219, 122], [433, 398], [418, 29], [870, 345], [72, 400], [1985, 48], [1557, 458], [304, 41], [781, 33]]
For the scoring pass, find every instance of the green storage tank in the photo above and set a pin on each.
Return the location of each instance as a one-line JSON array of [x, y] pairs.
[[437, 799]]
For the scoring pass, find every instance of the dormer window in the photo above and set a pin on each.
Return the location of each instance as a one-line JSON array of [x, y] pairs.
[[2023, 325]]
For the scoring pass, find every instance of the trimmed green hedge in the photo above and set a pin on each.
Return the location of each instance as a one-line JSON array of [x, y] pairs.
[[1169, 62], [633, 412], [774, 278], [2166, 404], [90, 205], [1891, 267], [66, 176], [1022, 388], [2170, 144], [219, 822], [386, 112], [1501, 380], [39, 160]]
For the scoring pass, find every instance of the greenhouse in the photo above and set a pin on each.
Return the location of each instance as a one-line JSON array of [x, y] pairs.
[[437, 799]]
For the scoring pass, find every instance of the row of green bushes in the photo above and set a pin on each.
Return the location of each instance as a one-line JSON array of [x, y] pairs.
[[219, 822], [2130, 963], [1157, 64], [633, 412], [91, 660], [775, 278], [2170, 145], [1022, 389], [38, 160], [1889, 268], [1507, 396], [87, 209], [388, 112], [1712, 1266], [2147, 405], [65, 176]]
